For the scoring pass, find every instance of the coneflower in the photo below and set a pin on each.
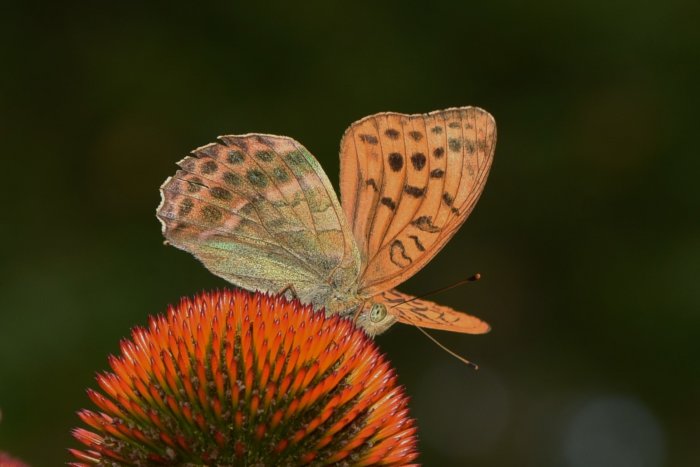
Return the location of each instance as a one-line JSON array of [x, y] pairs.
[[7, 461], [236, 378]]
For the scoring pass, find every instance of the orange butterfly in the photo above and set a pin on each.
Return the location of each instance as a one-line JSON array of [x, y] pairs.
[[259, 211]]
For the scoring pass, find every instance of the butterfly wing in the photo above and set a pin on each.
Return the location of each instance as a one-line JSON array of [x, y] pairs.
[[409, 310], [408, 182], [259, 211]]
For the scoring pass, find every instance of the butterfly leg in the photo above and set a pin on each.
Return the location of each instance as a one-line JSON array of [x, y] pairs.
[[358, 312], [289, 292]]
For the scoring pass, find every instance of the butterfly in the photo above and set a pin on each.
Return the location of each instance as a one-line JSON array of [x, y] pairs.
[[259, 211]]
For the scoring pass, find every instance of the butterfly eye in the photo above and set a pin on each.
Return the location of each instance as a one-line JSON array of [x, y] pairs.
[[377, 313]]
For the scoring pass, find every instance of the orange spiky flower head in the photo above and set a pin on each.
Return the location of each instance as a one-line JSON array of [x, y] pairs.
[[7, 461], [236, 378]]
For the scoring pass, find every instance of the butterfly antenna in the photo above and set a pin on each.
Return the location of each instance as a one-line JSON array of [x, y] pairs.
[[451, 352], [473, 278]]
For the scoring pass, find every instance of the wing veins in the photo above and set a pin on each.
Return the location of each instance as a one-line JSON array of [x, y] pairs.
[[375, 204], [229, 232], [453, 221], [398, 201], [334, 208], [281, 237], [282, 244], [189, 195], [422, 200]]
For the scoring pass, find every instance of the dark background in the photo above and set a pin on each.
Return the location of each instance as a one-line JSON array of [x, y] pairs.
[[587, 235]]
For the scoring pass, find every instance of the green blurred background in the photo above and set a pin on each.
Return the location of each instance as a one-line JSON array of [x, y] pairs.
[[587, 235]]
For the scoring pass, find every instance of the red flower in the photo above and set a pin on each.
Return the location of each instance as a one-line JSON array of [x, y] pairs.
[[235, 378]]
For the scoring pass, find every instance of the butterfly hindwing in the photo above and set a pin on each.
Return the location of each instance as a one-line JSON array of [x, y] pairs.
[[409, 310], [259, 211], [408, 182]]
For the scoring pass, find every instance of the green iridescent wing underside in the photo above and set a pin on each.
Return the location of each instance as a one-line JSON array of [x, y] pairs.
[[258, 211]]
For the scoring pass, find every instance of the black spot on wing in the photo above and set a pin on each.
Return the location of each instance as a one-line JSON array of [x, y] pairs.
[[369, 139], [371, 182], [240, 142], [397, 254], [418, 160], [209, 167], [232, 179], [210, 150], [235, 157], [266, 140], [194, 185], [437, 173], [415, 135], [296, 158], [248, 209], [414, 191], [265, 156], [447, 198], [221, 193], [257, 178], [425, 223], [388, 202], [280, 174], [438, 152], [392, 133], [185, 207], [416, 240], [211, 214], [395, 161]]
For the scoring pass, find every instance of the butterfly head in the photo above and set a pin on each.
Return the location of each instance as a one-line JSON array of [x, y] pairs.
[[373, 317], [376, 319]]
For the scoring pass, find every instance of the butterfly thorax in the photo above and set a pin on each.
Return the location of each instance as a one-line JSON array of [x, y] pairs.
[[343, 303]]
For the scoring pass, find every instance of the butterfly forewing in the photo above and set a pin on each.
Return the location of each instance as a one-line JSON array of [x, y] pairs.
[[408, 182], [426, 314], [258, 211]]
